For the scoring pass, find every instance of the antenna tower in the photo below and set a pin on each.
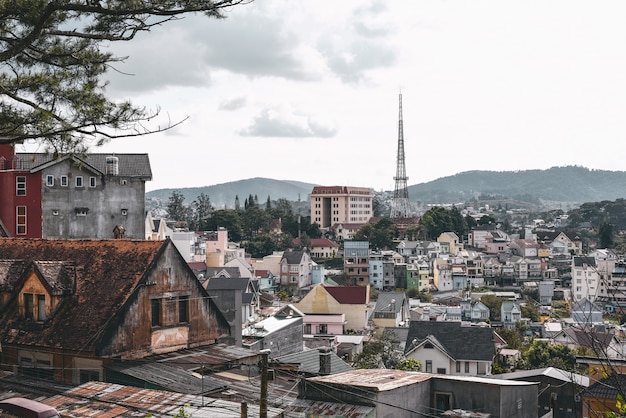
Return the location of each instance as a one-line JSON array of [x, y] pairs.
[[400, 206]]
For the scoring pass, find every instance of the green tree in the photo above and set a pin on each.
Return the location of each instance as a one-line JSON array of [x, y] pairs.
[[202, 209], [380, 235], [494, 304], [253, 220], [54, 56], [605, 235], [382, 352], [176, 209], [541, 354], [228, 219]]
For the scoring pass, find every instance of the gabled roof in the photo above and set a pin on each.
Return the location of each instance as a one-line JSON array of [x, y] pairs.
[[462, 343], [129, 165], [222, 272], [293, 256], [348, 294], [389, 302], [219, 283], [103, 285], [588, 338], [309, 362]]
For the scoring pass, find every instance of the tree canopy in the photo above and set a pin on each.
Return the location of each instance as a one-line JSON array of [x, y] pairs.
[[53, 59]]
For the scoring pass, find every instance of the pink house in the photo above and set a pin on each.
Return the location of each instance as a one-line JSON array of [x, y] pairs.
[[325, 324]]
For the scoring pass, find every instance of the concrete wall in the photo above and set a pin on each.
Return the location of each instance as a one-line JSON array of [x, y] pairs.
[[115, 200], [501, 401]]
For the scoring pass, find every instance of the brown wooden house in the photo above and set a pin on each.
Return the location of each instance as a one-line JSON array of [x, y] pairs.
[[67, 307]]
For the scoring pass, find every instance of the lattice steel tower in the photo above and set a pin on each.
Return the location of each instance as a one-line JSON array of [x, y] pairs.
[[400, 206]]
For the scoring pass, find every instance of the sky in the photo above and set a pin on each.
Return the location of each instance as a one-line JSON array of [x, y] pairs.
[[308, 90]]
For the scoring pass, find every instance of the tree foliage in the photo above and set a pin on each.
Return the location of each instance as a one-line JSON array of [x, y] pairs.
[[541, 354], [438, 219], [380, 235], [54, 55], [384, 352]]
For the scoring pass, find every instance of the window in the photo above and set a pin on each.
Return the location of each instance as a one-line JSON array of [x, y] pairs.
[[442, 402], [64, 182], [467, 367], [429, 366], [182, 309], [20, 220], [428, 345], [307, 328], [79, 181], [441, 371], [156, 312], [81, 211], [41, 308], [323, 329], [49, 180], [20, 186], [92, 182], [458, 367], [29, 305]]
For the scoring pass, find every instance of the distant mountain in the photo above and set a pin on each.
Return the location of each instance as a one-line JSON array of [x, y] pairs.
[[571, 184], [223, 195]]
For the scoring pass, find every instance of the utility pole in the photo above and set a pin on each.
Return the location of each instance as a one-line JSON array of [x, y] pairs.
[[263, 401]]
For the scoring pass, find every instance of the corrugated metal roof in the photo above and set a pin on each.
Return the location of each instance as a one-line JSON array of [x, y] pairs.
[[328, 409], [309, 362], [110, 400]]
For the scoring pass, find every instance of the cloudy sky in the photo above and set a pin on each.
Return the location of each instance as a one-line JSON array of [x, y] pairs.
[[308, 90]]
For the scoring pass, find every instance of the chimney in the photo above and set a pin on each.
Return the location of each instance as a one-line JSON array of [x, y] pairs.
[[325, 359]]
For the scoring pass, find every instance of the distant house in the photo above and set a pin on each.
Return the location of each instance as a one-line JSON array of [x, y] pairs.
[[450, 348], [69, 307], [452, 242], [391, 310], [237, 299], [281, 333], [320, 247], [295, 271], [573, 242], [510, 314], [584, 311], [603, 396], [352, 301]]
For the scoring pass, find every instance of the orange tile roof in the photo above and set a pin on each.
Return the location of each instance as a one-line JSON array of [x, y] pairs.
[[106, 273]]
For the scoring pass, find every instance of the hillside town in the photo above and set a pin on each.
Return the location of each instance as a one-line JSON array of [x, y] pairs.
[[107, 309]]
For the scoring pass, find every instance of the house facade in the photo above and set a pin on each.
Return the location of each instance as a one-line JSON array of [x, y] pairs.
[[72, 306], [295, 270], [450, 348], [352, 301], [73, 196]]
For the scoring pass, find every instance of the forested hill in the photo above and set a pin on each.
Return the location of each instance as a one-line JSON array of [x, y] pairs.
[[224, 194], [570, 184], [557, 184]]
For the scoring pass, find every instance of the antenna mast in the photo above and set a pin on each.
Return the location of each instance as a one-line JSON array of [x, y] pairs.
[[400, 206]]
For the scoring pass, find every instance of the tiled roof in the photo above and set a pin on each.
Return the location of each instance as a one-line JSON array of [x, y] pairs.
[[462, 343], [348, 294], [129, 165], [103, 285]]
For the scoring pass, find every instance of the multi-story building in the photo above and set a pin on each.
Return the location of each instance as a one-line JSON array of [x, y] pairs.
[[332, 205], [356, 262], [73, 196]]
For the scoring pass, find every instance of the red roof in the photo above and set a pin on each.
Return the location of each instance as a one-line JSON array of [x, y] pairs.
[[348, 294]]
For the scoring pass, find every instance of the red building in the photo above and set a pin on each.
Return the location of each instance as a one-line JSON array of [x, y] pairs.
[[20, 192]]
